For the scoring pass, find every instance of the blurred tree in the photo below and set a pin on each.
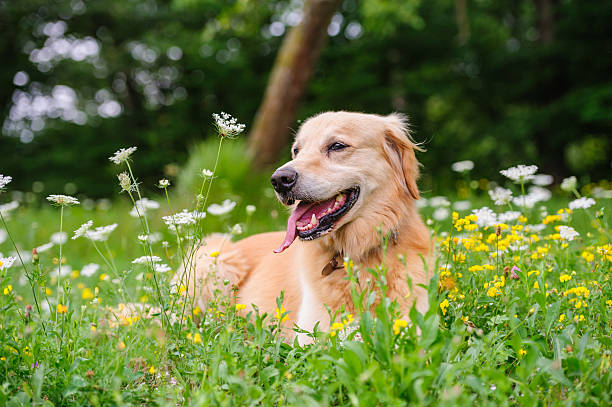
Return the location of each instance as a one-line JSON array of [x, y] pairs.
[[294, 64]]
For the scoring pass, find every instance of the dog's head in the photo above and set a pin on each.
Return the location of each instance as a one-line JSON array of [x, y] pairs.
[[349, 171]]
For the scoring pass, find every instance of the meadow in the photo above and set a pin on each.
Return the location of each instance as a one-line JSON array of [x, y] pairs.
[[520, 299]]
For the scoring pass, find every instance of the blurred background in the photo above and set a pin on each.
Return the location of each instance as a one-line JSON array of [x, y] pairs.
[[496, 82]]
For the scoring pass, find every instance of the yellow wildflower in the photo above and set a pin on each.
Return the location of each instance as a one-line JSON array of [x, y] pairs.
[[197, 338], [61, 309], [398, 325], [522, 352], [8, 289], [87, 294], [216, 253], [475, 268], [240, 307], [280, 314], [444, 306], [152, 370], [561, 317]]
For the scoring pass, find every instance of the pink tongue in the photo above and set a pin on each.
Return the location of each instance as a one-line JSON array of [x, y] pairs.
[[291, 226]]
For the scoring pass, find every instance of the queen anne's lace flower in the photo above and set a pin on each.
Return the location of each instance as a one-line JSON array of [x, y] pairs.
[[542, 180], [581, 203], [569, 184], [568, 233], [508, 216], [142, 206], [161, 268], [82, 230], [90, 269], [225, 207], [122, 155], [520, 173], [535, 195], [7, 207], [486, 217], [183, 218], [147, 260], [4, 181], [63, 200], [501, 196], [462, 166], [227, 125], [101, 233]]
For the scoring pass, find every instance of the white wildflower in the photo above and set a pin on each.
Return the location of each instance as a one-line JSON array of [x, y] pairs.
[[7, 207], [462, 166], [581, 203], [142, 206], [125, 182], [542, 180], [82, 230], [206, 173], [122, 155], [165, 244], [225, 207], [440, 214], [146, 260], [161, 268], [535, 228], [163, 183], [501, 196], [227, 125], [101, 233], [4, 181], [250, 209], [521, 173], [568, 233], [3, 235], [438, 201], [59, 238], [601, 193], [90, 269], [509, 216], [6, 262], [569, 184], [462, 205], [63, 200], [535, 195], [183, 218], [44, 247], [486, 217], [143, 238], [237, 229]]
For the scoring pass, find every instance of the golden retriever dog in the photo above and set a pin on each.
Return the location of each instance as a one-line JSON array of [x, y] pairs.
[[352, 178]]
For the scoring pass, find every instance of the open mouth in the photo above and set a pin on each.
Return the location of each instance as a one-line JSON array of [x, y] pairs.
[[311, 220]]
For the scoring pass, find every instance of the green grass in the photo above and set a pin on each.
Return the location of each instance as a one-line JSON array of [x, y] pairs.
[[507, 346]]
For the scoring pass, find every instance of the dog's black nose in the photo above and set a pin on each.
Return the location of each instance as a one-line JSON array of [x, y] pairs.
[[284, 179]]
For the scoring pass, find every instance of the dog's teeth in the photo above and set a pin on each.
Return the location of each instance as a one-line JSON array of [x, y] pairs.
[[339, 197], [314, 220]]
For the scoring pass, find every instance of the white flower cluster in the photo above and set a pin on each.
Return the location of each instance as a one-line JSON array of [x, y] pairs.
[[568, 233], [7, 207], [90, 269], [486, 217], [163, 183], [501, 196], [521, 173], [581, 203], [6, 262], [227, 125], [122, 155], [63, 200], [183, 218], [4, 181], [535, 195], [99, 234], [542, 180], [225, 207], [142, 206], [569, 184], [146, 260], [462, 166], [509, 216]]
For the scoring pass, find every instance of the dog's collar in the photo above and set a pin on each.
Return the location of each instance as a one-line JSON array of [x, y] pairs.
[[337, 261]]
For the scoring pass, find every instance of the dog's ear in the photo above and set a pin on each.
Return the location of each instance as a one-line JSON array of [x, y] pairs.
[[399, 149]]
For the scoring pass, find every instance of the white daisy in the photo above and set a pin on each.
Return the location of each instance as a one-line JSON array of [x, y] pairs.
[[122, 155]]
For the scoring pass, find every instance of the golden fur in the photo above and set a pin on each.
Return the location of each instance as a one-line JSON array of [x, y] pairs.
[[381, 160]]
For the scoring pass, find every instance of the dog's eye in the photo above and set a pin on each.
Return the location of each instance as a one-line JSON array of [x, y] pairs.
[[295, 151], [337, 146]]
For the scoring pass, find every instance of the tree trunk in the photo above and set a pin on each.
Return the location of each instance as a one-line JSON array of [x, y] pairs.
[[293, 67], [546, 20]]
